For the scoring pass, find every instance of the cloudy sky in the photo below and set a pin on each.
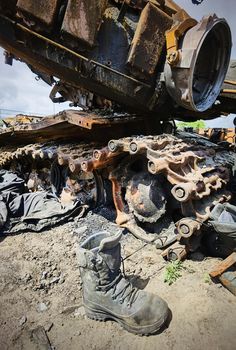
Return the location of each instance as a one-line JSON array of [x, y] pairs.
[[20, 91]]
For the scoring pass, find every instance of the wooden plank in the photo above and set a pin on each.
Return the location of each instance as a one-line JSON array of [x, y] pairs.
[[223, 265]]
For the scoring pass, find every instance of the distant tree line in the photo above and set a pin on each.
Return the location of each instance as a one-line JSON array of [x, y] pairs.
[[199, 124]]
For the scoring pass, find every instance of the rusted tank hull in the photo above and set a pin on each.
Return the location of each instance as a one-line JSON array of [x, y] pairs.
[[71, 125], [128, 53]]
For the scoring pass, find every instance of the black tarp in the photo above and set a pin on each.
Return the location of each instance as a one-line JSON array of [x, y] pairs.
[[21, 210]]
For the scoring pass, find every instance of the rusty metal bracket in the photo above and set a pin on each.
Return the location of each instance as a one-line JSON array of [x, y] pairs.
[[231, 82], [187, 227], [229, 91], [173, 35], [176, 251]]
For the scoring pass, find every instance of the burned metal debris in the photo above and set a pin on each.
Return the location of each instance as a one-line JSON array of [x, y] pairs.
[[144, 172]]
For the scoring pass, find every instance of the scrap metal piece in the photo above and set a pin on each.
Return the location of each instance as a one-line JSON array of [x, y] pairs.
[[175, 252], [68, 125], [187, 227], [184, 22]]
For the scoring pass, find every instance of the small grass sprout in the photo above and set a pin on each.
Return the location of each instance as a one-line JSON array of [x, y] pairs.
[[173, 272]]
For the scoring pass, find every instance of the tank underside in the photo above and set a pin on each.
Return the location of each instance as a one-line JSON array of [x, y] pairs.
[[144, 57]]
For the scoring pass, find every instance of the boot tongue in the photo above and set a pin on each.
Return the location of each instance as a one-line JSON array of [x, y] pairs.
[[109, 242], [109, 258], [109, 261]]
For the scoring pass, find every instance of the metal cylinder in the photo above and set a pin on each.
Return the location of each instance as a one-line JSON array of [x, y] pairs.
[[187, 227], [204, 54], [183, 191]]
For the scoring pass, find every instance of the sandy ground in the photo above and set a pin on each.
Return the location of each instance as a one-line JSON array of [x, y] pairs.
[[40, 286]]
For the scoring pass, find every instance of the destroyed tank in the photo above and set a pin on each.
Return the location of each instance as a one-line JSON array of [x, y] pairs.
[[133, 67]]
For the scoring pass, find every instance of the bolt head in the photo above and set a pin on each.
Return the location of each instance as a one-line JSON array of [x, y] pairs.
[[133, 147], [184, 229], [152, 167], [112, 146], [180, 193]]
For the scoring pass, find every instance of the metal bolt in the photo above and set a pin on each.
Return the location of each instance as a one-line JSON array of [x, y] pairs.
[[152, 167], [173, 57], [96, 154], [184, 229], [180, 193], [171, 255], [112, 146], [72, 167], [133, 147], [84, 166]]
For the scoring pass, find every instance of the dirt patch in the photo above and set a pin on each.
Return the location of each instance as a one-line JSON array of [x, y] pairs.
[[40, 286]]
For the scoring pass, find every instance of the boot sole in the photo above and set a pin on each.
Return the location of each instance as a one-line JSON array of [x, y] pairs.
[[99, 315]]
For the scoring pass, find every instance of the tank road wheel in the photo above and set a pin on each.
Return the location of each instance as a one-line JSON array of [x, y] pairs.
[[141, 202]]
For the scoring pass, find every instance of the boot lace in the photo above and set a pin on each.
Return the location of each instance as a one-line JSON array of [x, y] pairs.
[[126, 291]]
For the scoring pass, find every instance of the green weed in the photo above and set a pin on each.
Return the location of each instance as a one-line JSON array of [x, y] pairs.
[[173, 272], [206, 278]]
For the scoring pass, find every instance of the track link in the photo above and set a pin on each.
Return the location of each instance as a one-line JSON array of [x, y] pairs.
[[190, 172]]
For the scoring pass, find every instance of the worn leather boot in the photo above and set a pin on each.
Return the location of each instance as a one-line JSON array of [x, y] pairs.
[[108, 295]]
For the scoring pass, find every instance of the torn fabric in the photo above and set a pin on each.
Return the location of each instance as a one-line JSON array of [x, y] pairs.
[[21, 211]]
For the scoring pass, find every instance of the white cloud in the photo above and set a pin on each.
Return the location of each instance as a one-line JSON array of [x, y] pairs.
[[20, 91], [222, 8]]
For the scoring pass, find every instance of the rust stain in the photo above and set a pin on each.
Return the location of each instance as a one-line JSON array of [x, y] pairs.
[[83, 18], [41, 10]]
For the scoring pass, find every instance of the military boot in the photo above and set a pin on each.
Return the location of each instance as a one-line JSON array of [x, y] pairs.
[[108, 295]]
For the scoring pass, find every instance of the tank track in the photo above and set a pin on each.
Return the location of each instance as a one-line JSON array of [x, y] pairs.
[[163, 187]]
